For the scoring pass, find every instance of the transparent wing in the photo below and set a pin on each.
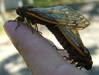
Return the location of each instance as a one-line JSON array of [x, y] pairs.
[[63, 15], [74, 38]]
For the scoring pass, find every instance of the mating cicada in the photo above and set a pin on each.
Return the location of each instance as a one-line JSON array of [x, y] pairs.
[[64, 23]]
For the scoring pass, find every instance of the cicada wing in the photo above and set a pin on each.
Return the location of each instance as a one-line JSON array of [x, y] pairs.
[[63, 15], [73, 37]]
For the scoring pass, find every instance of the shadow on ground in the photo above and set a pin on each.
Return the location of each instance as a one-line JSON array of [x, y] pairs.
[[93, 49], [10, 63], [93, 71]]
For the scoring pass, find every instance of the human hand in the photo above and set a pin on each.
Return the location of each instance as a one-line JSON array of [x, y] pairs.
[[39, 55]]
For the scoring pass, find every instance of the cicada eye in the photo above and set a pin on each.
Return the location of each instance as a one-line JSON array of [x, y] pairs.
[[19, 11]]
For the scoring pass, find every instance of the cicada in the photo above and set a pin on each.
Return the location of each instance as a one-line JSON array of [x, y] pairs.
[[64, 22]]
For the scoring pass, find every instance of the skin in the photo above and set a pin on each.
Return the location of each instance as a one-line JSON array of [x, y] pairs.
[[39, 55]]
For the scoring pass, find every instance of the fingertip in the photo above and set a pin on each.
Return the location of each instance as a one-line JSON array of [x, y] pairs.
[[10, 26]]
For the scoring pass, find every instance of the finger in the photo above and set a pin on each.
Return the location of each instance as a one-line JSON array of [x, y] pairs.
[[39, 55]]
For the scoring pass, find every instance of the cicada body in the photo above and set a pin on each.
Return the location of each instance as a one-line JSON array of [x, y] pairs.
[[60, 15], [70, 40], [64, 23]]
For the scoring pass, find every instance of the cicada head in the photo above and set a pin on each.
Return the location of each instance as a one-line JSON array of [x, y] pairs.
[[22, 10], [88, 61], [88, 66], [19, 11]]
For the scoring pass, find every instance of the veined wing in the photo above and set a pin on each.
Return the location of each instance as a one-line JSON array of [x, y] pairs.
[[62, 15], [74, 38]]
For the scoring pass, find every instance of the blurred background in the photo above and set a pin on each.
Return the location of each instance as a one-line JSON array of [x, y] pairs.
[[11, 63]]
